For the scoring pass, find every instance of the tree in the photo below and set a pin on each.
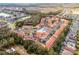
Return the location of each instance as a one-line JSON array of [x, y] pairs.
[[11, 40], [27, 43], [58, 43], [19, 24], [32, 48], [77, 46], [3, 53], [41, 51], [4, 42], [53, 21], [5, 30], [77, 42], [18, 40], [34, 20], [77, 36], [76, 52], [51, 51]]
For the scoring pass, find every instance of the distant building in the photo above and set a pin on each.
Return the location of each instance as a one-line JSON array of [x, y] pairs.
[[5, 15]]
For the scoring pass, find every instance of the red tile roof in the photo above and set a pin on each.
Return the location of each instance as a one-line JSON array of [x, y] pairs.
[[21, 34], [50, 42]]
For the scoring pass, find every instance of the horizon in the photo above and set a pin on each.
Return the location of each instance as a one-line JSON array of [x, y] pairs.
[[39, 4]]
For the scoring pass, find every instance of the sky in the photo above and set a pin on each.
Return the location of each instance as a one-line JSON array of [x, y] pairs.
[[40, 4], [39, 1]]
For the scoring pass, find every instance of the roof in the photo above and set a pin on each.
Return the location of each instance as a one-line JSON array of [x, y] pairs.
[[57, 33], [42, 30], [66, 52], [70, 49], [4, 15], [2, 24], [50, 42]]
